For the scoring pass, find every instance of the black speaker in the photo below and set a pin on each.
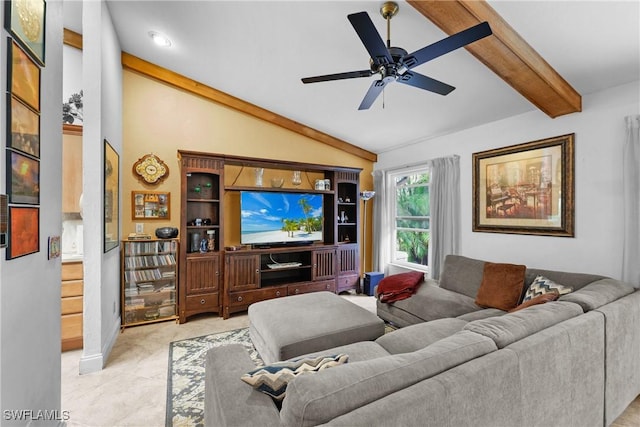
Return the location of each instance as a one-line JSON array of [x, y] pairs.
[[166, 232]]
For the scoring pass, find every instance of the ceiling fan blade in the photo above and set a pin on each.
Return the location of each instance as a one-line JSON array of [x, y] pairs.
[[447, 45], [370, 38], [338, 76], [373, 92], [421, 81]]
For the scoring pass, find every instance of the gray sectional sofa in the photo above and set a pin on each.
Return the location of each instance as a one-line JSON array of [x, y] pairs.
[[571, 362]]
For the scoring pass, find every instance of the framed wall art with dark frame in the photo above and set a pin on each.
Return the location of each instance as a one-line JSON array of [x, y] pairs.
[[526, 188], [23, 178], [111, 197], [24, 231], [25, 20], [23, 76], [24, 133]]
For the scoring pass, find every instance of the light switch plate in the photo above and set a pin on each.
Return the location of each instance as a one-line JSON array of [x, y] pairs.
[[139, 227]]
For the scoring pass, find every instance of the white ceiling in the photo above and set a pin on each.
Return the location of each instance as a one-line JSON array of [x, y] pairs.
[[259, 50]]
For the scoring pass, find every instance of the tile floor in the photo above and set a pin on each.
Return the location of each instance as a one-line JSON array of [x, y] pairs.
[[131, 390]]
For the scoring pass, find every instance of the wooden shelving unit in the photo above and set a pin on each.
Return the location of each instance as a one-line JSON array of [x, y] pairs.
[[149, 281], [229, 281]]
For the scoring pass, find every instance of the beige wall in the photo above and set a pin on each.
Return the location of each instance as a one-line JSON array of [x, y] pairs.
[[160, 119]]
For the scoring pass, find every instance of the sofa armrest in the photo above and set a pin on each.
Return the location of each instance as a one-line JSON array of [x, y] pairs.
[[228, 400]]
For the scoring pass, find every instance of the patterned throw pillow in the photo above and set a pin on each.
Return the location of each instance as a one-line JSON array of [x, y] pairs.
[[273, 379], [541, 285]]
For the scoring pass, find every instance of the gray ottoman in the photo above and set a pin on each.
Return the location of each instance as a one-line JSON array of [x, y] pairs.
[[287, 327]]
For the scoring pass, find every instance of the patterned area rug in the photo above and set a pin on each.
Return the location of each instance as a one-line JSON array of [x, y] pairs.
[[185, 379]]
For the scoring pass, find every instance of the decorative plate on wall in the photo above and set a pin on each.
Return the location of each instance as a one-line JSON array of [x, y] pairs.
[[150, 169]]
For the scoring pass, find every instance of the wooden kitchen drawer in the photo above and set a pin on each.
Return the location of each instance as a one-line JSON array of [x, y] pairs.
[[71, 330], [72, 271], [72, 288], [72, 305]]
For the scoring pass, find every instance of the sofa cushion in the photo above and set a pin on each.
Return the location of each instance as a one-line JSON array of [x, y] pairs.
[[430, 302], [223, 390], [512, 327], [357, 351], [399, 286], [462, 275], [540, 299], [541, 285], [598, 293], [501, 286], [481, 314], [418, 336], [317, 399], [273, 379]]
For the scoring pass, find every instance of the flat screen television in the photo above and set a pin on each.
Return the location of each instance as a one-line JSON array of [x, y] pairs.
[[280, 218]]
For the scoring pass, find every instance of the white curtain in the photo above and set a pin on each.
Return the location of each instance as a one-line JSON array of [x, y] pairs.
[[444, 199], [381, 225], [631, 185]]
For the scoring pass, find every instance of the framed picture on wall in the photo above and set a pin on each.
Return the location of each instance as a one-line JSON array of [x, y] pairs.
[[23, 178], [525, 188], [150, 205], [111, 197], [23, 76], [24, 132], [24, 231], [25, 20]]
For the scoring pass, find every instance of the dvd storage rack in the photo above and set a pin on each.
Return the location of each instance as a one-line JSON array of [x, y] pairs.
[[149, 281]]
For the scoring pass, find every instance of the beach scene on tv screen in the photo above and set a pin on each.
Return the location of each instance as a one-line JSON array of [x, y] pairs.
[[272, 217]]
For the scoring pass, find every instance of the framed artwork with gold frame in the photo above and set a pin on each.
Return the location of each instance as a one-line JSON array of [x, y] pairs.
[[25, 20], [23, 77], [525, 188], [150, 205]]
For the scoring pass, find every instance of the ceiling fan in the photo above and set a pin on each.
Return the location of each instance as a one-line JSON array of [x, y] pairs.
[[394, 63]]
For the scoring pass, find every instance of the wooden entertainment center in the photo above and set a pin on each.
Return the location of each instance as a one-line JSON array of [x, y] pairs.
[[218, 275]]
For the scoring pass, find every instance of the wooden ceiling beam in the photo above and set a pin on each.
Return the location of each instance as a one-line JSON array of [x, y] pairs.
[[179, 81], [506, 53]]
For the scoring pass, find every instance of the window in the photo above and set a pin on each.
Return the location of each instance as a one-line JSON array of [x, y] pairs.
[[411, 217]]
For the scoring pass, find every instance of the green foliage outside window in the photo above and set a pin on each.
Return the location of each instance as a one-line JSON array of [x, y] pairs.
[[412, 218]]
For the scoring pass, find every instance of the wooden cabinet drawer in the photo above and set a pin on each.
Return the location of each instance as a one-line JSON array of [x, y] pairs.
[[202, 302], [303, 288], [71, 326], [249, 297], [347, 282], [72, 305], [72, 271], [72, 288]]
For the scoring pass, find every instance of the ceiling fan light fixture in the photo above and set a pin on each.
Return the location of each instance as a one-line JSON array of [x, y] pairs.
[[160, 39]]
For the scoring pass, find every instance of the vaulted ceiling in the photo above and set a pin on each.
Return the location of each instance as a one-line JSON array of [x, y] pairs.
[[258, 51]]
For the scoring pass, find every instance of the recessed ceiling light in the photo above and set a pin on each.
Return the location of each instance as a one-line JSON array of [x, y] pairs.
[[159, 39]]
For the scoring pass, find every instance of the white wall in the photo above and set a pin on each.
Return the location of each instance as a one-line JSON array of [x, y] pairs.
[[30, 285], [102, 81], [599, 136]]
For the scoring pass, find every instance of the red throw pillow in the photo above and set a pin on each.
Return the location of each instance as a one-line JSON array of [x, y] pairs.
[[540, 299], [501, 286]]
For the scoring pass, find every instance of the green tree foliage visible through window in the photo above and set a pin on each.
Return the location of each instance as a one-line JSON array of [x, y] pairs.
[[412, 217]]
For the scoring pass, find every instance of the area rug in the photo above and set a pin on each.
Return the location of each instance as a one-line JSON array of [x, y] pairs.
[[185, 379]]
